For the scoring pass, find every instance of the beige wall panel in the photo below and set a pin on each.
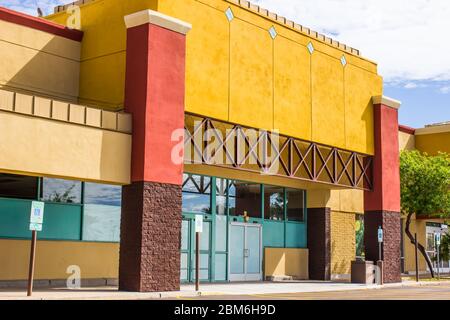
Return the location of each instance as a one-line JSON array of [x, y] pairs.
[[96, 260], [52, 148], [286, 262], [39, 40], [406, 141], [38, 72]]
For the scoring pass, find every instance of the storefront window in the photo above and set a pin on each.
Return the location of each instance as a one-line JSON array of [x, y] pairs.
[[273, 203], [244, 198], [196, 194], [59, 190], [102, 212], [20, 187], [295, 205]]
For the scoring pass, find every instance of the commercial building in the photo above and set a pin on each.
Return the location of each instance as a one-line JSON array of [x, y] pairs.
[[431, 139], [286, 136]]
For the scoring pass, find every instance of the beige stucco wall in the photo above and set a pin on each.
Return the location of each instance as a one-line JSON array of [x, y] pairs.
[[95, 259], [38, 62], [44, 147], [406, 141], [286, 262]]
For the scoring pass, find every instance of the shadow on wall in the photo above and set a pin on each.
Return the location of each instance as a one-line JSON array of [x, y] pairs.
[[41, 64]]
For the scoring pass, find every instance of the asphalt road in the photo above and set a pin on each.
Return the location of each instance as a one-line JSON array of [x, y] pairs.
[[429, 292]]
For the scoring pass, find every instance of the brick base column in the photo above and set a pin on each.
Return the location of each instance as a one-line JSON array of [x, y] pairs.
[[150, 259], [390, 249], [319, 243]]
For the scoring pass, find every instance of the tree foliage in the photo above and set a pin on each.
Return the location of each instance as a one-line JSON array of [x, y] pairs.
[[425, 184], [425, 189]]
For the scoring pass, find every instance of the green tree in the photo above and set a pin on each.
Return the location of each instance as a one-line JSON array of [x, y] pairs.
[[425, 189]]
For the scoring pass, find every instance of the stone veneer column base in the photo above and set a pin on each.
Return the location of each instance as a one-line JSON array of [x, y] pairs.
[[150, 237], [391, 224], [319, 243]]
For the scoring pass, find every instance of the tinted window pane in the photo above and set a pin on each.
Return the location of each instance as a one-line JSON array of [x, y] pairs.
[[196, 194], [273, 203], [15, 186], [244, 197], [105, 194], [102, 212], [59, 190], [295, 205]]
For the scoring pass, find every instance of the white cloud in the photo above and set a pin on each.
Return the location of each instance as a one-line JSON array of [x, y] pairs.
[[444, 90], [406, 37]]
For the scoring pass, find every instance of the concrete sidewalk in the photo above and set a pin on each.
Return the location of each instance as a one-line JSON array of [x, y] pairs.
[[188, 291]]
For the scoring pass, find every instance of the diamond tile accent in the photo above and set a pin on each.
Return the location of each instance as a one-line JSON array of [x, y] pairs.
[[273, 32], [343, 61], [229, 14], [310, 48]]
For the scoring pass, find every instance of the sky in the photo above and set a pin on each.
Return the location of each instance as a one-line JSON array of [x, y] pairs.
[[407, 38]]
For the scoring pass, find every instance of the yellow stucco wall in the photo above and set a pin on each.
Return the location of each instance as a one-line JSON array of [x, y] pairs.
[[434, 142], [44, 147], [95, 259], [286, 262], [236, 72], [38, 62]]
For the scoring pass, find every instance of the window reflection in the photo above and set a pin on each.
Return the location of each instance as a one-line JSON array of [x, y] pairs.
[[244, 197], [273, 203], [59, 190], [95, 193], [196, 194], [295, 205], [101, 212]]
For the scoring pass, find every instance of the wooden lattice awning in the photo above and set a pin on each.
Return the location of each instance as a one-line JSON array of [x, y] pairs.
[[222, 144]]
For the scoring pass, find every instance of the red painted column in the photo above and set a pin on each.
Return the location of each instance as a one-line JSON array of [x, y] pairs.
[[382, 205], [151, 205]]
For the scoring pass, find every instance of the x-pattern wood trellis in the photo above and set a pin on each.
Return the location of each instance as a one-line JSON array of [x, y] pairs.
[[289, 157]]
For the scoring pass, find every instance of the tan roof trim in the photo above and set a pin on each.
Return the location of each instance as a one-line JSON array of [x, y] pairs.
[[157, 18], [64, 111], [297, 27], [434, 129], [389, 102]]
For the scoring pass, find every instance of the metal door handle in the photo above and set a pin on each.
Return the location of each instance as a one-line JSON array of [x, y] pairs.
[[246, 252]]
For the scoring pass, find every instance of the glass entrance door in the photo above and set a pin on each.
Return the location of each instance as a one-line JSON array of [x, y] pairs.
[[188, 247], [245, 252]]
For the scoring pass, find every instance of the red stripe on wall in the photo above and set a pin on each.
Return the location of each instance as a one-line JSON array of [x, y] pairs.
[[39, 24]]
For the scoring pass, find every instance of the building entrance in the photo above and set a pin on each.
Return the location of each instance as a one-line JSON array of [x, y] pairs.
[[245, 252]]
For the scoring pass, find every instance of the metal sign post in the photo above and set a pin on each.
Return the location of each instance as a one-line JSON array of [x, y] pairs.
[[198, 230], [417, 257], [438, 244], [380, 241], [36, 221], [380, 257]]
